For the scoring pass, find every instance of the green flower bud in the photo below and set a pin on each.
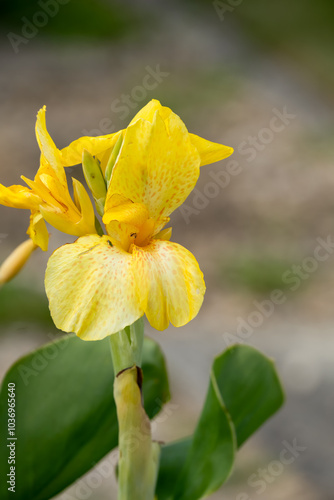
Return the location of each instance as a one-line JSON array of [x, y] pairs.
[[95, 181], [112, 159]]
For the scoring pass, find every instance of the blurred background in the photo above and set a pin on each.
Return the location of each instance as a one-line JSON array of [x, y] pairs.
[[255, 75]]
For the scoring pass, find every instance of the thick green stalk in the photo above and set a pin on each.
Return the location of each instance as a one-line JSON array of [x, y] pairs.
[[139, 455], [126, 346]]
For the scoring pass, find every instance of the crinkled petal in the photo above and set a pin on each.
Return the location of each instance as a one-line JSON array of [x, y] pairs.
[[48, 148], [148, 111], [127, 212], [210, 152], [121, 233], [160, 224], [19, 197], [38, 231], [91, 288], [78, 221], [53, 192], [170, 282], [72, 154], [85, 208], [157, 165], [46, 169]]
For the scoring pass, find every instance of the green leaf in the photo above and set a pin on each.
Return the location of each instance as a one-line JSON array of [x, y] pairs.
[[19, 303], [65, 412], [249, 386], [244, 391]]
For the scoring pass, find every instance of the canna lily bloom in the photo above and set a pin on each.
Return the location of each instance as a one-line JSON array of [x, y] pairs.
[[104, 282], [48, 198]]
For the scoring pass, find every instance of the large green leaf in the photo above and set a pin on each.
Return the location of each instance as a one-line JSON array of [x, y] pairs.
[[23, 304], [65, 413], [244, 391]]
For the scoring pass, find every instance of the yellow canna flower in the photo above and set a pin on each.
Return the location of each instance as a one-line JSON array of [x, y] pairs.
[[102, 146], [101, 284], [48, 197]]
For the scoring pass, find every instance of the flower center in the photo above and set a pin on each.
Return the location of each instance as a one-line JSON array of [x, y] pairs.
[[144, 234], [129, 223]]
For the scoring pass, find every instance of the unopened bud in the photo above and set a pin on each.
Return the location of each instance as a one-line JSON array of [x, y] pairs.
[[113, 158], [95, 181], [14, 263]]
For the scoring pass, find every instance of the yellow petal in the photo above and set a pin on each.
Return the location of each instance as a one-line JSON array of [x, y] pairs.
[[77, 221], [48, 148], [165, 234], [19, 197], [155, 167], [42, 191], [86, 209], [72, 154], [45, 168], [121, 233], [123, 219], [127, 212], [210, 152], [53, 192], [170, 282], [148, 111], [14, 263], [91, 288], [160, 224], [38, 231]]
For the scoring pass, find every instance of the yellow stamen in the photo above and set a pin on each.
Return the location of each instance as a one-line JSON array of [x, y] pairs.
[[145, 233]]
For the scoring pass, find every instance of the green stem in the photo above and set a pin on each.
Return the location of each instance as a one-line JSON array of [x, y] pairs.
[[126, 346], [139, 455]]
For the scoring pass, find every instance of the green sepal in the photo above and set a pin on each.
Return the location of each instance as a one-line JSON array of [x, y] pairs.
[[95, 180], [113, 158]]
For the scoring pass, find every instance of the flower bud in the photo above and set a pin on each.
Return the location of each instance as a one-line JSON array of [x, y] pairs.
[[95, 181], [113, 158], [16, 260]]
